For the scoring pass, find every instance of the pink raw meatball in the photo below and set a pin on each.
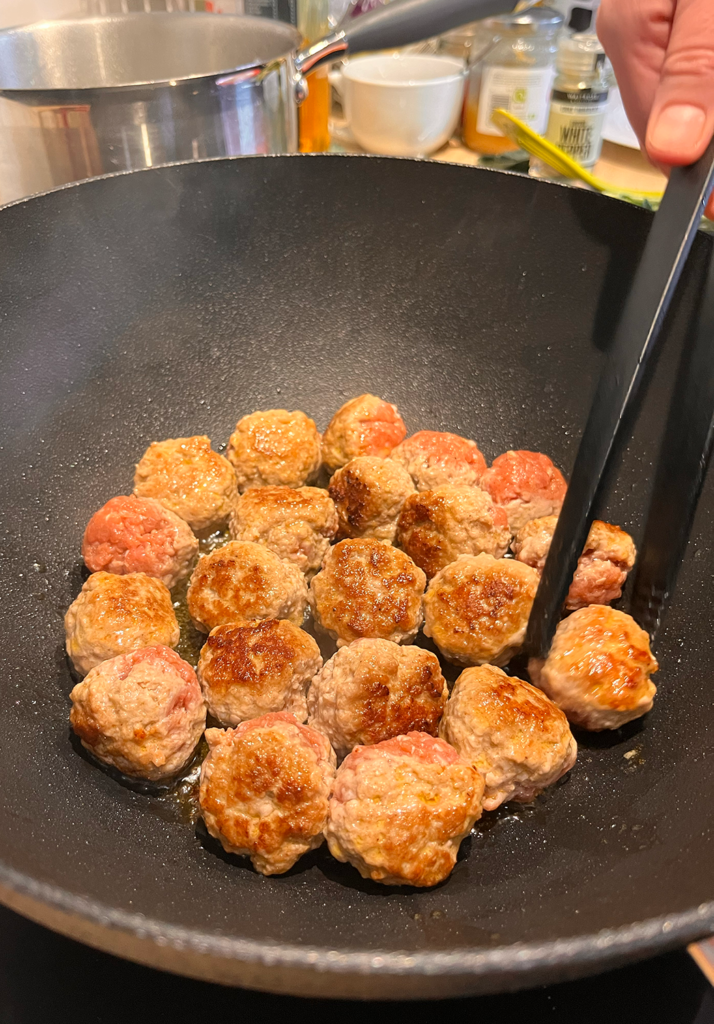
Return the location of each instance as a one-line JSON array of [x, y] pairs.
[[527, 485], [434, 458], [131, 534], [142, 713]]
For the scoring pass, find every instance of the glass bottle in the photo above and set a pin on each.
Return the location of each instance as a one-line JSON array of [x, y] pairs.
[[514, 72], [313, 22]]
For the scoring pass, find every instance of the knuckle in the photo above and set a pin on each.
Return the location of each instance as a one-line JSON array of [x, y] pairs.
[[695, 60]]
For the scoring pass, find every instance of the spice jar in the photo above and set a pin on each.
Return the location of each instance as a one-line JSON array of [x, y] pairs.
[[515, 72]]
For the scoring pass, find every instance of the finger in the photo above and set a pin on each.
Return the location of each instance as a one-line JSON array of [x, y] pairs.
[[682, 120]]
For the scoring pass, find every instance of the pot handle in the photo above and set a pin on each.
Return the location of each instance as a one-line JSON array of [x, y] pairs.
[[398, 24]]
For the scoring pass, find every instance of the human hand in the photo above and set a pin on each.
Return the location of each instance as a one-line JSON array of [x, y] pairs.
[[663, 55]]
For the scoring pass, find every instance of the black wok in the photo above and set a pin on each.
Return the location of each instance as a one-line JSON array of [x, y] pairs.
[[173, 301]]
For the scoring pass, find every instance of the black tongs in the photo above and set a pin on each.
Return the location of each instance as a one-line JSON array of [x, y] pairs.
[[688, 435]]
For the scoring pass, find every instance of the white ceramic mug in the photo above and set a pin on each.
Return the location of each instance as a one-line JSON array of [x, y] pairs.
[[403, 104]]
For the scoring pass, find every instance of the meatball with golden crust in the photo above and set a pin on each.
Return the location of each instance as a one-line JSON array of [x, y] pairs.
[[434, 458], [265, 788], [373, 690], [602, 570], [399, 810], [435, 527], [477, 608], [131, 534], [142, 713], [363, 426], [242, 581], [275, 448], [368, 589], [117, 615], [369, 493], [297, 524], [598, 668], [510, 732], [526, 485], [249, 670], [188, 478]]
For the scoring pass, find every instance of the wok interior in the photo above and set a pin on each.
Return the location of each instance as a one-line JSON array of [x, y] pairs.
[[172, 302]]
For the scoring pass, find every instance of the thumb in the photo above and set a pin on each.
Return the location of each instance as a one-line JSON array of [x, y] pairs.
[[681, 123]]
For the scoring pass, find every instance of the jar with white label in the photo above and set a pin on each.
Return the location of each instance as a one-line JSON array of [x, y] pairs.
[[514, 72]]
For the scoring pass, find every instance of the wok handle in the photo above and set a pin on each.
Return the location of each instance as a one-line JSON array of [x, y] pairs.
[[398, 24]]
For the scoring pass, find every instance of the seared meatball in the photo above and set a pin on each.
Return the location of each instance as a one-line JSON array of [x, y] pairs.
[[598, 668], [117, 615], [275, 447], [142, 713], [510, 732], [477, 609], [242, 581], [369, 493], [131, 534], [373, 690], [527, 485], [608, 556], [363, 426], [399, 810], [249, 670], [297, 525], [188, 478], [264, 790], [368, 589], [434, 458], [435, 527]]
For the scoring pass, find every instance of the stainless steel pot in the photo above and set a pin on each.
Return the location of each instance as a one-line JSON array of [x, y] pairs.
[[90, 96]]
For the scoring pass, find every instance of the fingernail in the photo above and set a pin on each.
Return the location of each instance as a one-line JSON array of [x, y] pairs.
[[677, 130]]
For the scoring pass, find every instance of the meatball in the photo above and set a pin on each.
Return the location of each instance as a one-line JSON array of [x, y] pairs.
[[373, 690], [248, 670], [477, 609], [275, 448], [363, 426], [131, 534], [188, 478], [142, 713], [527, 485], [608, 556], [368, 589], [434, 458], [369, 493], [399, 810], [242, 581], [510, 732], [117, 615], [598, 668], [435, 527], [265, 788], [297, 525]]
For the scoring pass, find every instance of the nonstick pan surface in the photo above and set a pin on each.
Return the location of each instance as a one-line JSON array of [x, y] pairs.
[[172, 302]]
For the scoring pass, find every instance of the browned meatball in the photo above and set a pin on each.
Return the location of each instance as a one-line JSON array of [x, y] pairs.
[[477, 609], [117, 615], [527, 486], [264, 790], [602, 570], [435, 527], [510, 732], [434, 458], [240, 582], [369, 494], [142, 713], [598, 668], [399, 810], [363, 426], [368, 589], [373, 690], [252, 669], [297, 525], [188, 478], [275, 448]]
